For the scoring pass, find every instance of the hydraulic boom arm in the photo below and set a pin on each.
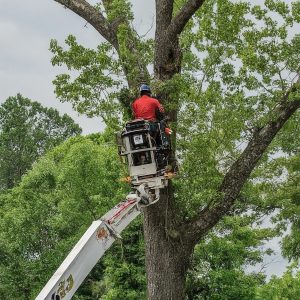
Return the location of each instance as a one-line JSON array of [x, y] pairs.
[[147, 163], [90, 248]]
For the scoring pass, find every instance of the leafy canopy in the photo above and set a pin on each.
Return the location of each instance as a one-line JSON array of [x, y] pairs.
[[238, 60], [43, 217], [27, 131]]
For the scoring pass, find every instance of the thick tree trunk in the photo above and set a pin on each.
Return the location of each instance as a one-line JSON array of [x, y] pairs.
[[167, 258]]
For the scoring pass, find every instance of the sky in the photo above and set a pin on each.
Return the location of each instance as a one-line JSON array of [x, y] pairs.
[[26, 28]]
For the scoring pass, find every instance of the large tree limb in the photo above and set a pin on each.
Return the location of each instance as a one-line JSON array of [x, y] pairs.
[[167, 57], [240, 171], [94, 17], [108, 30], [183, 16]]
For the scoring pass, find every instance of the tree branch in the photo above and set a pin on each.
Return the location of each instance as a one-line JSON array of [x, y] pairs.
[[183, 16], [109, 31], [240, 171], [164, 11], [94, 17], [167, 54]]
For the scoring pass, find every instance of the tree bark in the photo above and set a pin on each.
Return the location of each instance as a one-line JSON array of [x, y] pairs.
[[93, 17], [167, 253], [167, 53], [167, 257]]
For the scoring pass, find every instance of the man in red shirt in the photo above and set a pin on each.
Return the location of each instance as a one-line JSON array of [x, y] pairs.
[[150, 109], [146, 107]]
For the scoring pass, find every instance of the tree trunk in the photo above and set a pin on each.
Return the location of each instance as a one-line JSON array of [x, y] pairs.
[[167, 258]]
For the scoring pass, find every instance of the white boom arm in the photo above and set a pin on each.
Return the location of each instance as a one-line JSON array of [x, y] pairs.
[[90, 248]]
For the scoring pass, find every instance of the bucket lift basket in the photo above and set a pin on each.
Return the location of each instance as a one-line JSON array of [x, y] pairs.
[[145, 159]]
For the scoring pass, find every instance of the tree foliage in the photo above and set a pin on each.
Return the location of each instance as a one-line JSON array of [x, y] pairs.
[[76, 183], [228, 74], [43, 217], [285, 288], [220, 263], [27, 131]]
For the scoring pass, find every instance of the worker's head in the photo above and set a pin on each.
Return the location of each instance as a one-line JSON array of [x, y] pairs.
[[145, 90]]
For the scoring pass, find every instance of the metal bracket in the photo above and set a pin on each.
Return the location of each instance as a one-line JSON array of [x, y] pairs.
[[112, 231], [144, 192]]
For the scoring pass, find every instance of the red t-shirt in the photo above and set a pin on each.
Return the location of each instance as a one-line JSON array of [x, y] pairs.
[[145, 107]]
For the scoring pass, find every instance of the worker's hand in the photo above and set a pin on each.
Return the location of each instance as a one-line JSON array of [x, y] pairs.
[[168, 131]]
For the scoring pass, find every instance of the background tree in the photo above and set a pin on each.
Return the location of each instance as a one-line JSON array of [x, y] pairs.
[[42, 218], [76, 183], [219, 262], [27, 131], [228, 75], [286, 287]]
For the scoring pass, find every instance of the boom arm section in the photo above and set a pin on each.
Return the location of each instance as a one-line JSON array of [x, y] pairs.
[[89, 249]]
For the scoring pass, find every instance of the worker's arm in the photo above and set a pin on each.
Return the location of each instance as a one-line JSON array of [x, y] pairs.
[[159, 111], [89, 249], [133, 110]]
